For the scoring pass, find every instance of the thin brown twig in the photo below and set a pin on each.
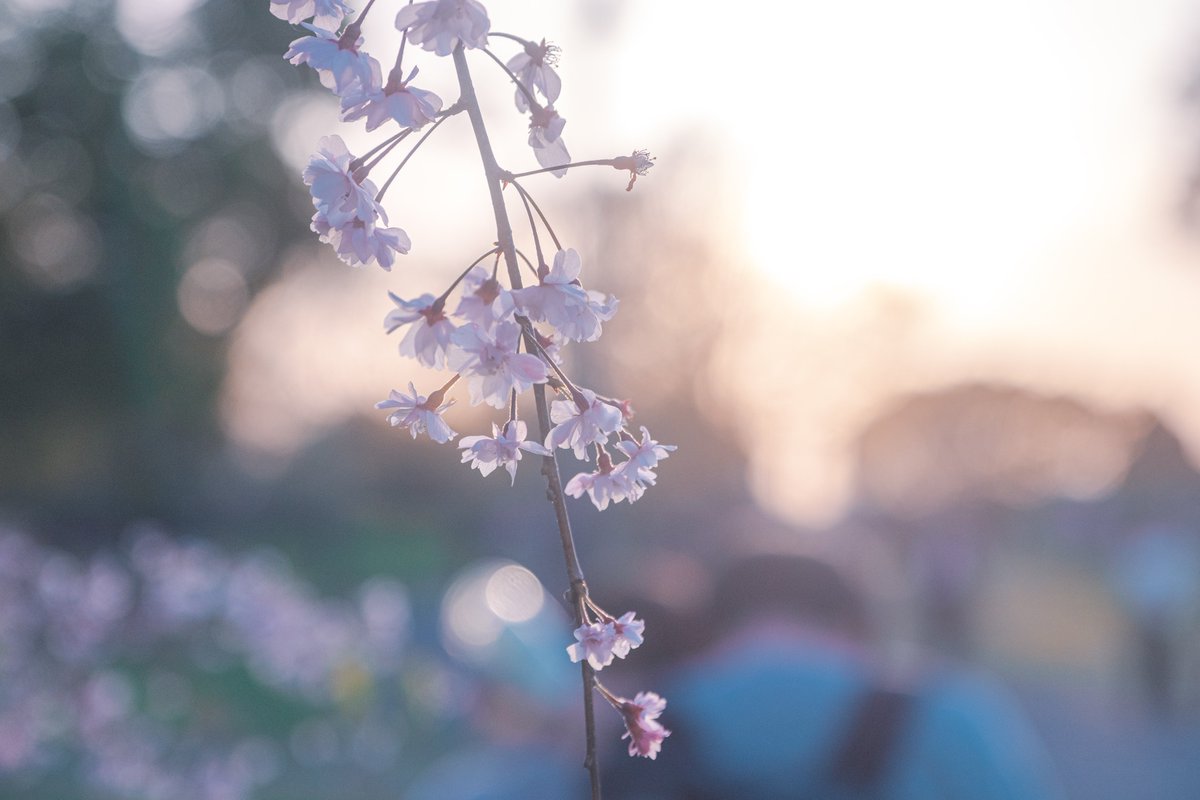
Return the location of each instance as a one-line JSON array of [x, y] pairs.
[[415, 148], [554, 490], [533, 103], [529, 198], [594, 162], [537, 242]]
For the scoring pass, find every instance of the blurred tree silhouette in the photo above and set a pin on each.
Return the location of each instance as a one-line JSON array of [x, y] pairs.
[[119, 169]]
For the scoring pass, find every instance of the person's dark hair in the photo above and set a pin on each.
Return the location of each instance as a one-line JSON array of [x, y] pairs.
[[805, 588]]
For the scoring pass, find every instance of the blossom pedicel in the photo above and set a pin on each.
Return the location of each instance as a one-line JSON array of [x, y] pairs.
[[505, 338]]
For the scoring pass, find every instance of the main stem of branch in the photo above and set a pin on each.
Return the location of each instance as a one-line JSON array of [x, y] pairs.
[[554, 490]]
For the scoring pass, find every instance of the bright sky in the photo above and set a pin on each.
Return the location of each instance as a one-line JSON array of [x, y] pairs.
[[1010, 169]]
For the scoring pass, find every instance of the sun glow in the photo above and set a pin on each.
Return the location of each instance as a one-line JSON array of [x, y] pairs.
[[925, 157], [935, 192], [942, 149]]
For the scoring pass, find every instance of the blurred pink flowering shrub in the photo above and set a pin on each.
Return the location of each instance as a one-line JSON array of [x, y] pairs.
[[503, 339], [129, 673]]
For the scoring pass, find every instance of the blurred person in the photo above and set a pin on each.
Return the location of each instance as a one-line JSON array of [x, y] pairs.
[[785, 702], [1157, 574], [519, 733], [500, 772]]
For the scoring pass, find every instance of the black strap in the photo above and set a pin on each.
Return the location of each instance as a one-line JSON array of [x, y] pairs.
[[876, 730]]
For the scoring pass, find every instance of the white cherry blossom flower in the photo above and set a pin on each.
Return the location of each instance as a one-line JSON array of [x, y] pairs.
[[545, 137], [559, 300], [396, 100], [594, 643], [551, 343], [326, 14], [635, 487], [551, 154], [418, 414], [638, 163], [357, 242], [337, 59], [644, 456], [439, 25], [642, 162], [492, 363], [502, 448], [611, 485], [336, 193], [642, 728], [534, 68], [348, 215], [428, 338], [546, 125], [628, 634], [484, 300], [578, 428]]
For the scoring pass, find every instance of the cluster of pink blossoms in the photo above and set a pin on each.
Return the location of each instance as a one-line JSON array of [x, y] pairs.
[[499, 340], [598, 642], [642, 728]]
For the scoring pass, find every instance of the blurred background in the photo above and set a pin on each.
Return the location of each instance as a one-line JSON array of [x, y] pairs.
[[913, 286]]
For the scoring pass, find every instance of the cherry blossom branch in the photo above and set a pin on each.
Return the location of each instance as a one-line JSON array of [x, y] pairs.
[[594, 606], [383, 151], [528, 263], [531, 338], [388, 142], [514, 38], [537, 242], [554, 489], [450, 112], [366, 10], [612, 699], [350, 217], [595, 162], [403, 41], [529, 198], [637, 163], [464, 273], [533, 103], [398, 67]]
